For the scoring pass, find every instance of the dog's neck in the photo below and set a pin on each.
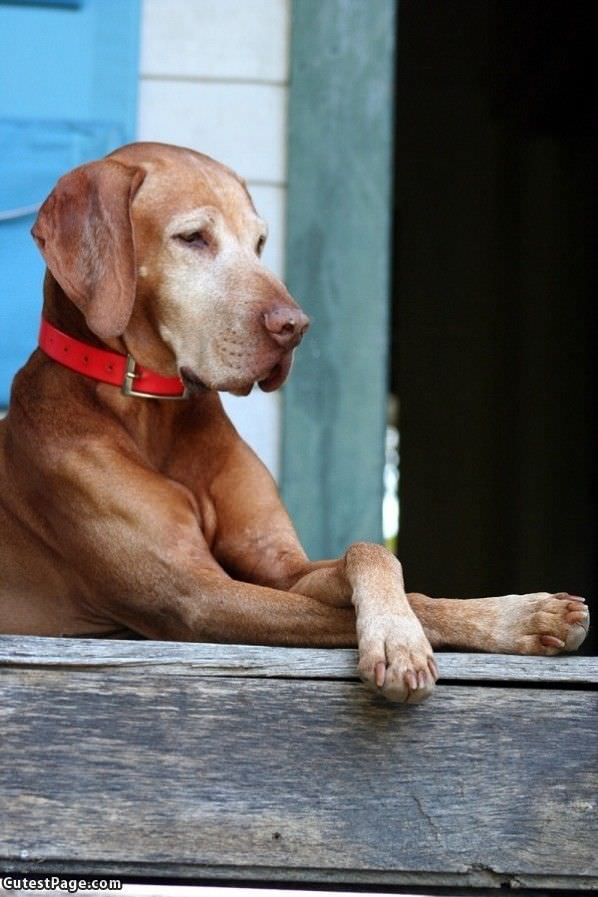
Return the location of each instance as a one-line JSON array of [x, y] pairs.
[[62, 313], [150, 422]]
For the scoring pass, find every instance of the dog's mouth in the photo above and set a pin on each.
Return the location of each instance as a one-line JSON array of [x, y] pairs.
[[277, 375], [274, 379]]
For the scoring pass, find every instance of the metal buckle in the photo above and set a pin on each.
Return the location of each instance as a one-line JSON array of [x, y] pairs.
[[129, 380]]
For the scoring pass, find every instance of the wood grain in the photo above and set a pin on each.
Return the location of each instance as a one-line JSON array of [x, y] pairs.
[[131, 770], [293, 663]]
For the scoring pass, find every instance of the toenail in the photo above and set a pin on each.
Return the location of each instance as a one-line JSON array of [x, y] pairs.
[[411, 680], [575, 618], [550, 641]]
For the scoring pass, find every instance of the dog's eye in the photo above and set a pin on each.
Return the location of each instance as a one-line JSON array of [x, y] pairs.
[[260, 245], [195, 238]]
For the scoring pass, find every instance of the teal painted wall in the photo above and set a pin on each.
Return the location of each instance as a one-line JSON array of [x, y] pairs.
[[338, 263]]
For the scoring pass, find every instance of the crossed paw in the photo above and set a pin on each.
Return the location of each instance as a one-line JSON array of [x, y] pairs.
[[396, 658]]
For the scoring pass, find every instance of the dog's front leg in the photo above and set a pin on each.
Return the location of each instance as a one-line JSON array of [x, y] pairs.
[[256, 541], [134, 539], [201, 605]]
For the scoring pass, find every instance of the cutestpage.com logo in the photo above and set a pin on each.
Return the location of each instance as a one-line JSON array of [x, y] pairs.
[[56, 884]]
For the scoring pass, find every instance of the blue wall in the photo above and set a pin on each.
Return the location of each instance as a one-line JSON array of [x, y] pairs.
[[68, 94]]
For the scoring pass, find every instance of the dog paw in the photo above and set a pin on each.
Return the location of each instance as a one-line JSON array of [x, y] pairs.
[[396, 659], [541, 623]]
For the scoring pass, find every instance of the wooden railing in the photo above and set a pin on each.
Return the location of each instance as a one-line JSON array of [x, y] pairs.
[[245, 763]]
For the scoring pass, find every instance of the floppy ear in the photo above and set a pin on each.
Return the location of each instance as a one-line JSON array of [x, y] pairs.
[[85, 235]]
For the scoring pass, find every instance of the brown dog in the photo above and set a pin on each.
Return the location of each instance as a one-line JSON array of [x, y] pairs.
[[151, 515]]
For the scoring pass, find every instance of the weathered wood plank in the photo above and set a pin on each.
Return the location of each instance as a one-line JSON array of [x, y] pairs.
[[292, 663], [316, 781]]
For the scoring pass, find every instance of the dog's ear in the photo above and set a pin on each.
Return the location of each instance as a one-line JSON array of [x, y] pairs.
[[85, 235]]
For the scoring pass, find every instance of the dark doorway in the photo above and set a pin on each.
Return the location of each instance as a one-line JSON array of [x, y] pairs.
[[494, 356]]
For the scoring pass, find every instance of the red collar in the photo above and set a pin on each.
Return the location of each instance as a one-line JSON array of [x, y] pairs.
[[109, 367]]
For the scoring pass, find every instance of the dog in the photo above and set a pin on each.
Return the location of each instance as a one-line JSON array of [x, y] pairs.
[[129, 503]]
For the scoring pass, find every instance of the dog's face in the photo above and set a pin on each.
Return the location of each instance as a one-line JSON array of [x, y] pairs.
[[227, 320], [202, 304]]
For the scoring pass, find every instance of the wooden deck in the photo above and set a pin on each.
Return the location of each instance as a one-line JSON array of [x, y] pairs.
[[217, 762]]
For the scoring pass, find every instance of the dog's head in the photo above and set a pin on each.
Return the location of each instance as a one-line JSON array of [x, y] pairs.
[[160, 247]]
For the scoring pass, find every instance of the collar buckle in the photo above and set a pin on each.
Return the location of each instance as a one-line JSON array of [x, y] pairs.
[[128, 383]]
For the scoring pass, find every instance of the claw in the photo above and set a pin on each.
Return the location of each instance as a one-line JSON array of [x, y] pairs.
[[411, 680], [551, 641], [575, 617], [380, 673]]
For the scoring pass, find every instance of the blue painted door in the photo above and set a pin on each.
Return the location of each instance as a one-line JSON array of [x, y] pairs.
[[68, 94]]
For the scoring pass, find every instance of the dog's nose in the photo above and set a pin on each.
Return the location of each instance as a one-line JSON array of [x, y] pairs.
[[286, 325]]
